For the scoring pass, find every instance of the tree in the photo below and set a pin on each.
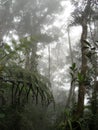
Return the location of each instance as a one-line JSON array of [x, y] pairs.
[[82, 17]]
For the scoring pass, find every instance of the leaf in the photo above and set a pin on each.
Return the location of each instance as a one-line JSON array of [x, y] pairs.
[[70, 124], [67, 113], [89, 54], [1, 68], [7, 47], [73, 67], [2, 115], [93, 48], [80, 77], [87, 43], [14, 42], [85, 47]]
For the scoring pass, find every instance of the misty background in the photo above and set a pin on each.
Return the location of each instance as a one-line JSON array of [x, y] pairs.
[[39, 41]]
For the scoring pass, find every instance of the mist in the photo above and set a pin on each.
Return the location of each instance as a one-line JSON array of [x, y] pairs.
[[48, 64]]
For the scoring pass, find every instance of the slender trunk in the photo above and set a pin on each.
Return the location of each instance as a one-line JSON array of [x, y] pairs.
[[71, 90], [71, 93], [12, 96], [27, 61], [49, 60], [33, 64], [94, 61], [94, 98], [70, 47]]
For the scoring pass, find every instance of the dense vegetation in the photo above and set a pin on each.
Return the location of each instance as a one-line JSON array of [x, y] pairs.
[[39, 64]]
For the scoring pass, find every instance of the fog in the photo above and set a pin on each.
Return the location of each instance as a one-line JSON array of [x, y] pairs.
[[41, 60]]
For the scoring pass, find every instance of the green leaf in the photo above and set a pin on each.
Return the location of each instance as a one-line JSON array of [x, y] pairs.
[[87, 43], [2, 115], [80, 77], [70, 124], [85, 47], [73, 67], [89, 54]]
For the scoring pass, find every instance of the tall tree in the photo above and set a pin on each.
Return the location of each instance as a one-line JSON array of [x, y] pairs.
[[82, 17], [81, 94]]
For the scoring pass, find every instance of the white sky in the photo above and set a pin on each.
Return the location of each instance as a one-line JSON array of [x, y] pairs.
[[61, 22], [63, 18]]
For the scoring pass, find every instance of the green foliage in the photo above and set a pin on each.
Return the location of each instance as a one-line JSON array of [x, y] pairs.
[[65, 120], [68, 122], [77, 76], [20, 85], [87, 43], [73, 72], [73, 67], [68, 118], [80, 77], [2, 115], [22, 81], [89, 49]]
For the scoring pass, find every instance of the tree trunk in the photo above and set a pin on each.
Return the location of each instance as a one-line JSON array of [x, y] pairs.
[[81, 91], [49, 62], [72, 86], [27, 59], [33, 64]]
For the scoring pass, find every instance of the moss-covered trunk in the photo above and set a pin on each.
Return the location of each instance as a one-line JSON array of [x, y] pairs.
[[81, 91]]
